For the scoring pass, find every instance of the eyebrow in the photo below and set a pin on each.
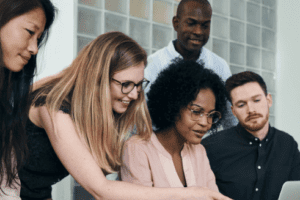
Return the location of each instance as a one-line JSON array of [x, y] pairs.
[[196, 105], [37, 28], [195, 20], [34, 24], [202, 107], [258, 95], [124, 81]]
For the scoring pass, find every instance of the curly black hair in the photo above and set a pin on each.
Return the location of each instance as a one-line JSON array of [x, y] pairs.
[[177, 86]]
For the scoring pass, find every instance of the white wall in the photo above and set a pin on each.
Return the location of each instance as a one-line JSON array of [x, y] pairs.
[[288, 68], [59, 50], [58, 54]]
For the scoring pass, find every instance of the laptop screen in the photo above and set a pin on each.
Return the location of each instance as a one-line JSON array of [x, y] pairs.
[[290, 190]]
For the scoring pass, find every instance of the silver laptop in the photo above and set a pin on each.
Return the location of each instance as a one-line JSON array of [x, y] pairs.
[[290, 191]]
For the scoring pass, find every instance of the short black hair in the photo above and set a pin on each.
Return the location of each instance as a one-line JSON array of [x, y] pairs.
[[177, 86], [242, 78], [180, 7]]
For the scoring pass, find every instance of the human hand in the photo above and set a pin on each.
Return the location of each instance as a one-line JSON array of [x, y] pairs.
[[203, 193]]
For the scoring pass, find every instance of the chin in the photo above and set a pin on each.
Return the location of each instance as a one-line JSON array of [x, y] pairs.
[[193, 48], [195, 141], [119, 110], [17, 68]]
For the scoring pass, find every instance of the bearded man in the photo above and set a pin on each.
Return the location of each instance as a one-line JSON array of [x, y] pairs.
[[253, 159]]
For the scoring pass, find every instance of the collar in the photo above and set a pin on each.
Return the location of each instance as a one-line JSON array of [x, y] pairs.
[[156, 143], [249, 138]]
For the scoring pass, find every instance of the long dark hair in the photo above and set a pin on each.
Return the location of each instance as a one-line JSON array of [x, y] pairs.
[[14, 90]]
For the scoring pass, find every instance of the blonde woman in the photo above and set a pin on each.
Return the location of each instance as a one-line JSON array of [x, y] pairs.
[[80, 118]]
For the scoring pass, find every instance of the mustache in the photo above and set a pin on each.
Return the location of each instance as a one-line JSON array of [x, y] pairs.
[[257, 115]]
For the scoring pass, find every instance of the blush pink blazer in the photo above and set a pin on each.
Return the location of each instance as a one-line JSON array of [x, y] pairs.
[[148, 163]]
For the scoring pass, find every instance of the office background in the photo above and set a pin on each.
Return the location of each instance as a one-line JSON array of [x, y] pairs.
[[256, 35]]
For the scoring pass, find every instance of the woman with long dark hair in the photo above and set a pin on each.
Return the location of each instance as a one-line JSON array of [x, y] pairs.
[[24, 26]]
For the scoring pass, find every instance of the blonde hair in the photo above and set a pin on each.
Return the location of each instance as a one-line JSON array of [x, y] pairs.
[[85, 86]]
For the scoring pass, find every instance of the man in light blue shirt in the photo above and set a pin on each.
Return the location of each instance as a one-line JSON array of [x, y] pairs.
[[192, 24]]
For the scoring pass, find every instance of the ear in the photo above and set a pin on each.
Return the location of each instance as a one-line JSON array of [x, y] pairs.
[[269, 100], [232, 110], [175, 22]]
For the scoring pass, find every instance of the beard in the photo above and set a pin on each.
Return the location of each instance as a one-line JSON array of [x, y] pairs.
[[255, 126]]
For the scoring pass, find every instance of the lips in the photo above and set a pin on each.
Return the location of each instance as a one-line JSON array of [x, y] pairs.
[[26, 58], [200, 133], [196, 41], [125, 102]]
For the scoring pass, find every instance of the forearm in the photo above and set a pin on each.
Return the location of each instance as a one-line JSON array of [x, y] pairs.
[[124, 190]]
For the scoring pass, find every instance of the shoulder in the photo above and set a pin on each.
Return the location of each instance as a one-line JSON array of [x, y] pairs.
[[220, 137], [39, 115], [35, 115], [136, 143], [158, 59], [42, 118], [216, 63], [157, 55], [198, 148], [136, 140], [283, 137], [211, 55], [198, 151], [163, 56]]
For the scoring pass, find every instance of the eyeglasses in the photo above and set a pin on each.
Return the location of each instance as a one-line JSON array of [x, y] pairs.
[[197, 113], [128, 86]]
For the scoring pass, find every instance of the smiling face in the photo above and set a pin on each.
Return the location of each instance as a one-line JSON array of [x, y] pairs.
[[19, 38], [251, 106], [120, 101], [193, 131], [192, 27]]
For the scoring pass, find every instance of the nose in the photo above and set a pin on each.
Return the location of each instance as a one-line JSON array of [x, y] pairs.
[[203, 121], [251, 107], [33, 46], [198, 29], [133, 94]]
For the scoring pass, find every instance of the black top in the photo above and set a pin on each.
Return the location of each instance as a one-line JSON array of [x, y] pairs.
[[247, 168], [42, 168]]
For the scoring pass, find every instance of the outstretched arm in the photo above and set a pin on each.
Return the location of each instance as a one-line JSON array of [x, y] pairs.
[[77, 159]]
